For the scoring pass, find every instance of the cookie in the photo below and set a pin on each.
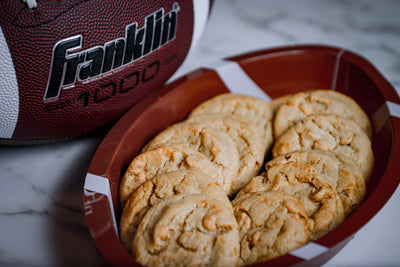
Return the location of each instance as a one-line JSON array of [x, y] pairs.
[[161, 187], [213, 143], [320, 199], [351, 191], [328, 133], [342, 172], [302, 104], [187, 230], [249, 144], [277, 102], [271, 224], [162, 159], [248, 108]]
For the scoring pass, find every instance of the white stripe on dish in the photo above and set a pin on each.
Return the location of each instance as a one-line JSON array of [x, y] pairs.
[[101, 185], [309, 251], [236, 80]]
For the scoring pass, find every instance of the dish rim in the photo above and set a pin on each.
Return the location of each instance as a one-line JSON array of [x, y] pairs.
[[334, 240]]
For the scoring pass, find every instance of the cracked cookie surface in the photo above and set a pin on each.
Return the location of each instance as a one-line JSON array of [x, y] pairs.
[[341, 172], [211, 142], [161, 187], [250, 109], [249, 144], [270, 225], [328, 133], [320, 199], [298, 106], [163, 159], [187, 230]]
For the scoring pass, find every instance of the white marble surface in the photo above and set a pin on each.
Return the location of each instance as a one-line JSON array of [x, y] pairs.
[[41, 214]]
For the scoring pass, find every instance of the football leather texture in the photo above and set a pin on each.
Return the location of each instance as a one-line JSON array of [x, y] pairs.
[[69, 67]]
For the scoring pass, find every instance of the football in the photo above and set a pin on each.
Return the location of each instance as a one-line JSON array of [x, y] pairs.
[[69, 67]]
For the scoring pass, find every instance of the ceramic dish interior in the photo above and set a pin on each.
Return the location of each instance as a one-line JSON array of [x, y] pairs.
[[268, 74]]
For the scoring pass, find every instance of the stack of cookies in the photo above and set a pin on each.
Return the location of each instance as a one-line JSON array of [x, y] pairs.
[[322, 156], [198, 194], [175, 193]]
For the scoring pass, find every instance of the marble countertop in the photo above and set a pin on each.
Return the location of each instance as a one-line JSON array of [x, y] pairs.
[[41, 213]]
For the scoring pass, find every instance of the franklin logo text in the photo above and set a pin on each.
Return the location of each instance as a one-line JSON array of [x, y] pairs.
[[70, 63]]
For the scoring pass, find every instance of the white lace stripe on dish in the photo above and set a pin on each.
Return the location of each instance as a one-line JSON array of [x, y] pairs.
[[236, 80], [394, 109], [336, 69], [309, 251], [380, 116], [101, 185]]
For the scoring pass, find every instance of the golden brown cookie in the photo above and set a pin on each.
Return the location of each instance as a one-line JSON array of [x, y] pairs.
[[160, 187], [162, 159], [187, 230], [248, 108], [300, 105], [277, 102], [249, 144], [328, 133], [213, 143], [320, 199], [271, 224], [341, 171]]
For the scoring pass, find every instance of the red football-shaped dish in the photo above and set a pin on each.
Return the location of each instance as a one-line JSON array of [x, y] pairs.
[[268, 74], [68, 67]]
